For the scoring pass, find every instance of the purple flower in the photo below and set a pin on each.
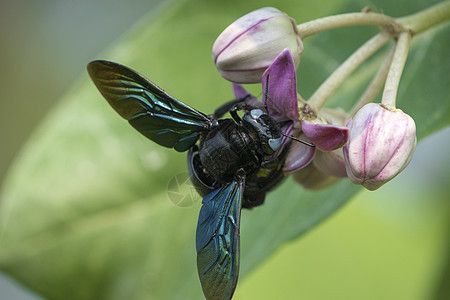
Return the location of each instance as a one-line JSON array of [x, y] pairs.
[[282, 106], [246, 48], [327, 132], [264, 46], [380, 145]]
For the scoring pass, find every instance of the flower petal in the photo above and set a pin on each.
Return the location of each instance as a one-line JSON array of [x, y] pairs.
[[282, 86], [325, 137], [331, 163], [313, 179], [299, 156], [241, 92]]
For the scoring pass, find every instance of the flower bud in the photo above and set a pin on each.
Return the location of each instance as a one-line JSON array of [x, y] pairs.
[[380, 145], [246, 48]]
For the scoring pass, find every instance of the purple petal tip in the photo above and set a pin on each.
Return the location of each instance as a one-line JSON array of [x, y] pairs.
[[325, 137]]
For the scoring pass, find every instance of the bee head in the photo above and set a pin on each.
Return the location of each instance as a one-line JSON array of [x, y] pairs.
[[267, 130]]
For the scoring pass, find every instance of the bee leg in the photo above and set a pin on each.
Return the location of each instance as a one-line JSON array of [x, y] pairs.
[[253, 199], [222, 110], [270, 163]]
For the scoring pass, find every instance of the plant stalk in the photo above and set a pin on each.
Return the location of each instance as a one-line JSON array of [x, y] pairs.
[[426, 19], [345, 20], [416, 23], [395, 72], [375, 85], [329, 86]]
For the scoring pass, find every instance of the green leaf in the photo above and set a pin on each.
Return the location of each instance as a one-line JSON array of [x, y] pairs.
[[85, 211]]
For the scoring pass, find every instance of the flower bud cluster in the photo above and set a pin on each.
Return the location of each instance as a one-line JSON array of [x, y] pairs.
[[369, 148]]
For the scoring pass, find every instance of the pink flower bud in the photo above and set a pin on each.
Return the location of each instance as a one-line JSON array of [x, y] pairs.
[[380, 145], [246, 48]]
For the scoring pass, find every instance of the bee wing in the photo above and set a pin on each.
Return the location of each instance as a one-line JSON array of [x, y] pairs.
[[149, 109], [217, 240]]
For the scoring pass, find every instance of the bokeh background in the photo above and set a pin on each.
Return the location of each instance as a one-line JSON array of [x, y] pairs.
[[45, 46], [388, 244]]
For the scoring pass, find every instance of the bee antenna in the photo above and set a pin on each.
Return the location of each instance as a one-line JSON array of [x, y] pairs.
[[266, 92], [298, 140], [267, 109]]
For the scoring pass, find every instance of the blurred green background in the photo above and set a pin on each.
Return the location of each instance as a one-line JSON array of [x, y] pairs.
[[388, 244], [45, 46]]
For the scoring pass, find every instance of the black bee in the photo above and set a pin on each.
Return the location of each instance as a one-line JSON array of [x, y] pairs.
[[232, 162]]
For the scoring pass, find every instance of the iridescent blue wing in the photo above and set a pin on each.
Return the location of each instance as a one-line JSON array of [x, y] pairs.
[[149, 109], [217, 240]]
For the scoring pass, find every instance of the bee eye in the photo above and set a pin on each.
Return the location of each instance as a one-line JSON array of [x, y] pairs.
[[275, 144], [256, 113]]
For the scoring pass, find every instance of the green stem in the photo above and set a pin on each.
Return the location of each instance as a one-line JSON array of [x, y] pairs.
[[375, 85], [417, 23], [350, 19], [329, 86], [395, 72], [403, 28], [423, 20]]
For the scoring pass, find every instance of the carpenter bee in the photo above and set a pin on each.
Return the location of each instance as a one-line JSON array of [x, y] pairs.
[[232, 162]]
